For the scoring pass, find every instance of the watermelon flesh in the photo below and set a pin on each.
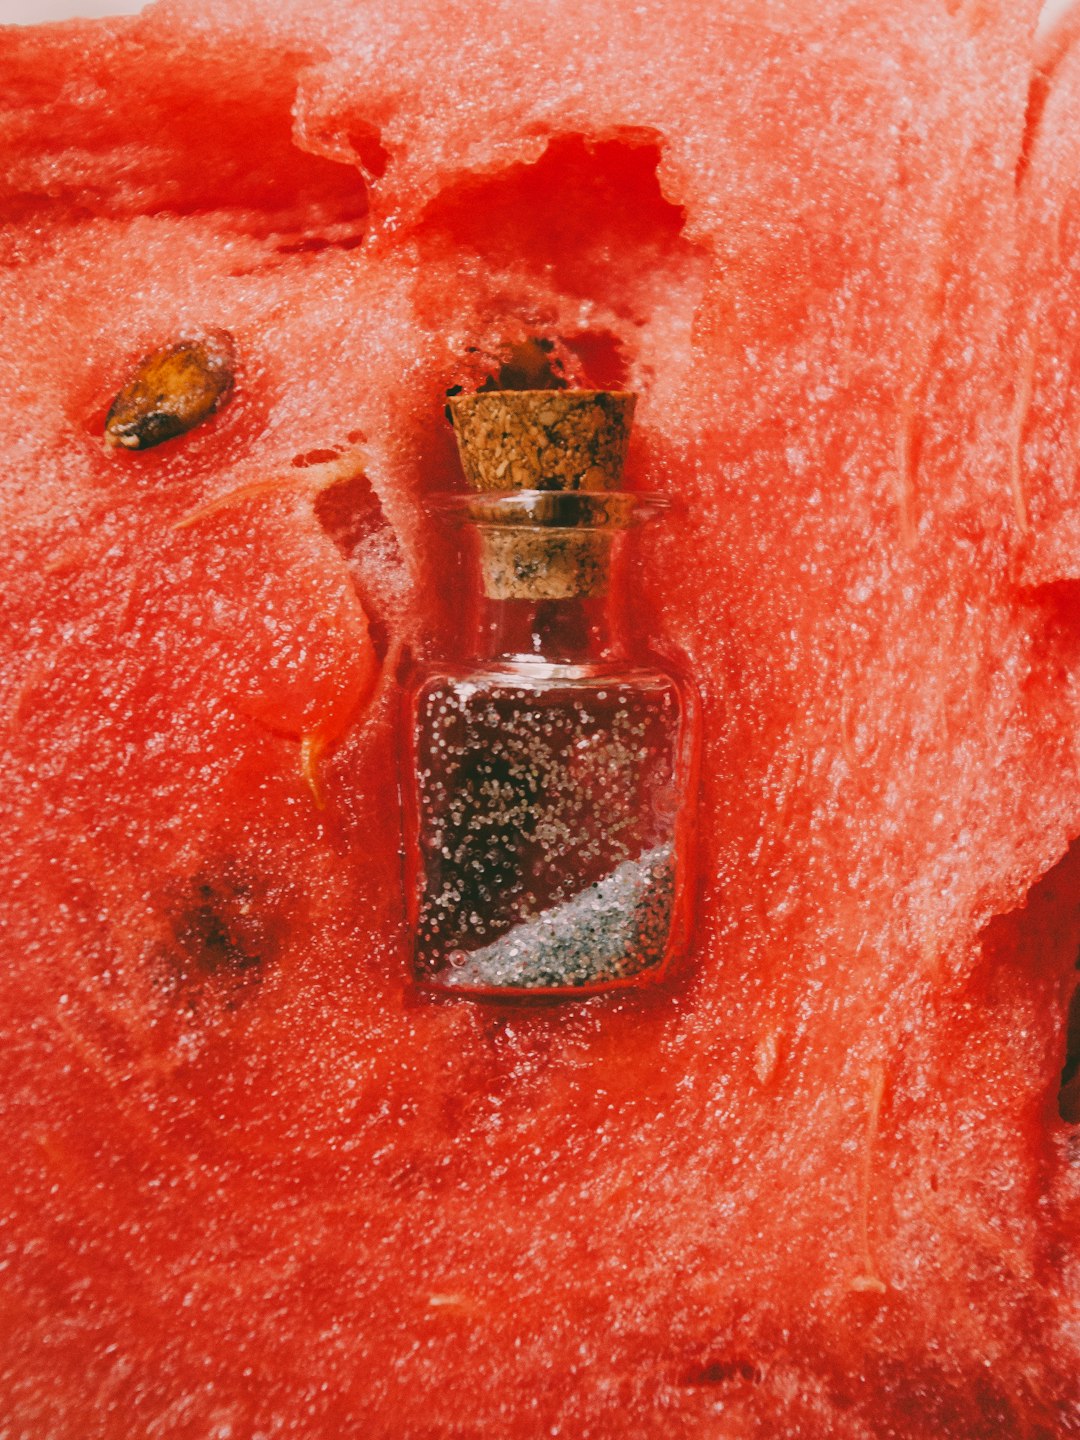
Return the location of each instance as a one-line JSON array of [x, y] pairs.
[[822, 1183]]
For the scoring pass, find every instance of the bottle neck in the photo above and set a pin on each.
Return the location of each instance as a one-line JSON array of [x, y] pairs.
[[575, 631], [544, 568]]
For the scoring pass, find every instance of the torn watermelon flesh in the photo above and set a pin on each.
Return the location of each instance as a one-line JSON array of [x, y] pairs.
[[819, 1184]]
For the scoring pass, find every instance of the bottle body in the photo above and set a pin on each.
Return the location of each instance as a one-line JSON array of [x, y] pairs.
[[550, 835]]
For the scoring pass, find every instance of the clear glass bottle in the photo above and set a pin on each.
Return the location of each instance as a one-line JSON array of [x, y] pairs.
[[549, 771]]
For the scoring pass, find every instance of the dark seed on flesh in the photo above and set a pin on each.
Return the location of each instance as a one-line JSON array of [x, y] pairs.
[[171, 391]]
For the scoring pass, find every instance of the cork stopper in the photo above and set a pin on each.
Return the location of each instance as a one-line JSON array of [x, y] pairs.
[[543, 440]]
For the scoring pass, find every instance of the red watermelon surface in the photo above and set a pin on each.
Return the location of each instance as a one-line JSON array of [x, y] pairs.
[[824, 1182]]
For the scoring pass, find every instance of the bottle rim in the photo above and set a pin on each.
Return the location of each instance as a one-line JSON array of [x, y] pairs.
[[595, 510]]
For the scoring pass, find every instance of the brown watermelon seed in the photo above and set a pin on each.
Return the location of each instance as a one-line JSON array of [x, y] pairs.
[[171, 391]]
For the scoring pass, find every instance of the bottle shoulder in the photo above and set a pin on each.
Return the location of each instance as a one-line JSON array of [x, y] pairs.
[[539, 676]]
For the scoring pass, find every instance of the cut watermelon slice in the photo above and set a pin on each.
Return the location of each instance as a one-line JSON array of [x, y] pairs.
[[819, 1183]]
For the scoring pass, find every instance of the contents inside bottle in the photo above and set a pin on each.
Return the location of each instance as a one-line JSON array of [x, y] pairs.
[[547, 813]]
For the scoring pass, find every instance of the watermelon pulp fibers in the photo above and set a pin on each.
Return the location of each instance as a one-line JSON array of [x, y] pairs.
[[819, 1185]]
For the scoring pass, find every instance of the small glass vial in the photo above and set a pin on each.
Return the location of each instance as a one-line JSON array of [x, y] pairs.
[[550, 772]]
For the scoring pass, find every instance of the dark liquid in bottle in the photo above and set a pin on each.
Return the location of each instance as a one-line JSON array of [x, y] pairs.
[[547, 813]]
